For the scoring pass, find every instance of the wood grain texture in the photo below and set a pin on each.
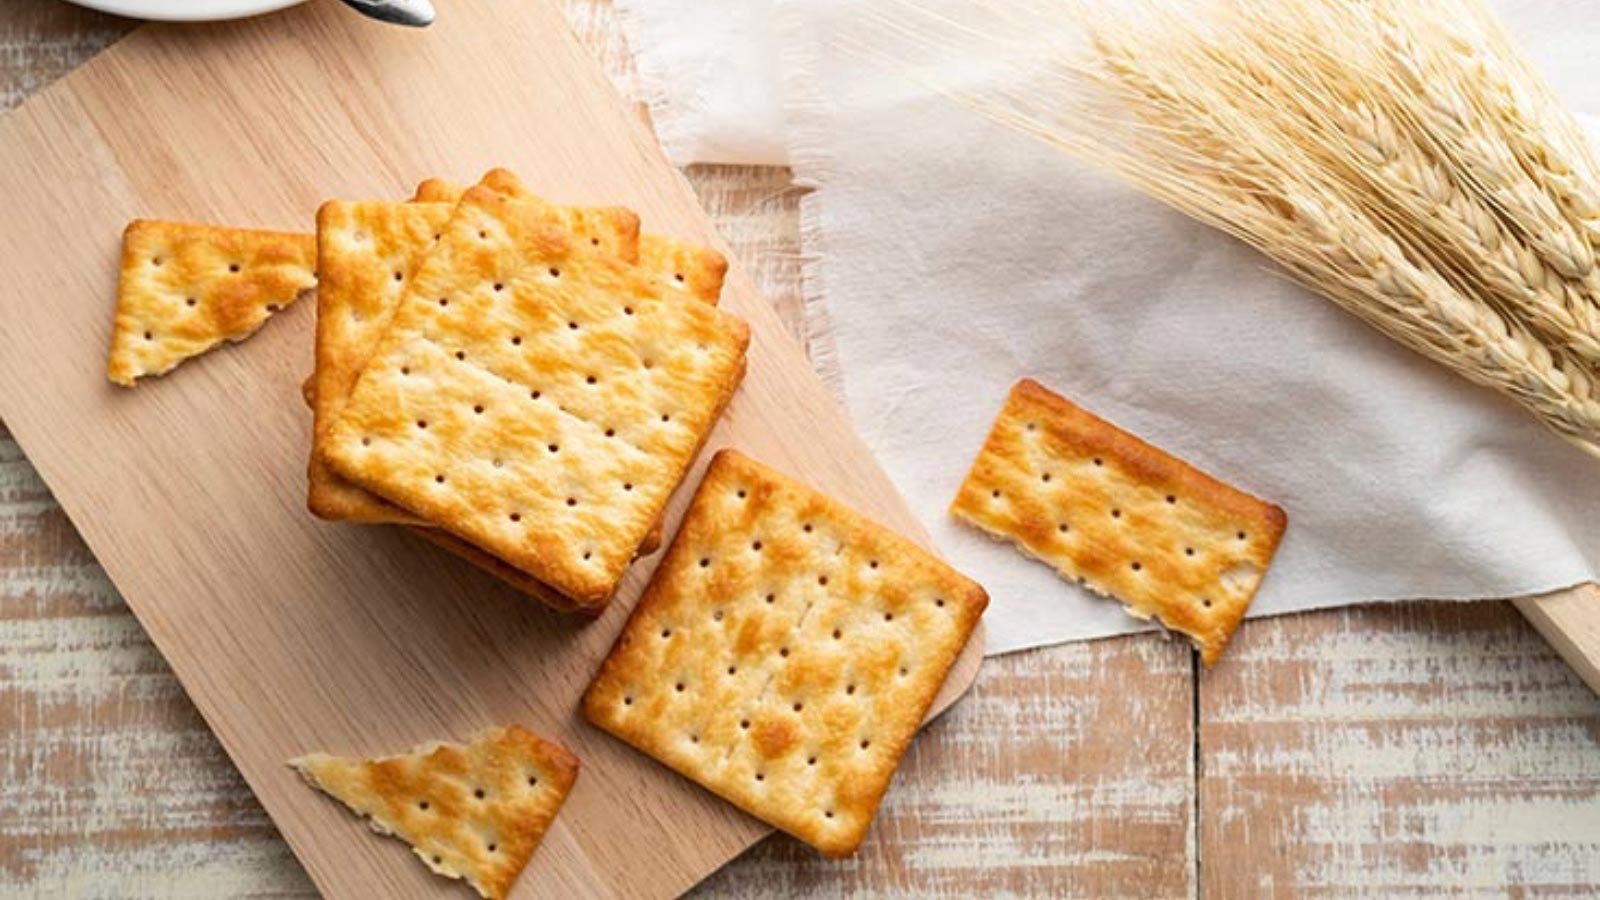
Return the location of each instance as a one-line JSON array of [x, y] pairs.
[[1416, 750], [292, 635], [112, 786]]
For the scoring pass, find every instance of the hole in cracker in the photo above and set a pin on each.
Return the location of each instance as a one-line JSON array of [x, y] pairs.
[[666, 417], [741, 493], [694, 738], [461, 354], [1098, 461], [744, 724], [678, 276], [939, 602], [498, 287], [148, 336], [591, 379], [516, 340], [732, 669], [573, 325], [888, 617], [705, 561], [1030, 426], [822, 580], [995, 493], [865, 743], [533, 780], [155, 261], [756, 546], [366, 442], [627, 310], [405, 370], [648, 364], [1045, 477], [423, 806], [399, 276], [595, 241], [761, 776], [678, 687], [587, 554], [829, 813], [422, 423], [478, 793], [1206, 602], [904, 671], [1171, 499], [437, 860], [872, 564], [555, 272], [516, 517], [837, 634], [444, 301], [233, 267], [438, 479], [611, 432], [554, 448], [273, 307], [1188, 551], [772, 598], [572, 501], [483, 235], [627, 701], [849, 689], [535, 395], [666, 633], [1136, 565], [1240, 535], [499, 463], [1063, 528], [190, 301], [811, 760], [783, 652], [492, 848], [478, 408], [806, 528], [1116, 513], [627, 485], [716, 615]]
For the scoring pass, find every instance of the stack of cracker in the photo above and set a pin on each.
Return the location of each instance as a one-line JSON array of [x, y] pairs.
[[523, 383]]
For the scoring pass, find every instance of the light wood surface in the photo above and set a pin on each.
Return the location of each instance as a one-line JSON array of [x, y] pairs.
[[1068, 771], [293, 635]]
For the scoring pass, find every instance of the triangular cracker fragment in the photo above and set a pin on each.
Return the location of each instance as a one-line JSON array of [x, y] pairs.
[[367, 251], [1121, 517], [537, 397], [785, 652], [187, 288], [476, 811]]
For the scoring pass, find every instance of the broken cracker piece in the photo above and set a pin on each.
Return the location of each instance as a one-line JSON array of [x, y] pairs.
[[785, 652], [1121, 517], [186, 288], [475, 811], [536, 397]]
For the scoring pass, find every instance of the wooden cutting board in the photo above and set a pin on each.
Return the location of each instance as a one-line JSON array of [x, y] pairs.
[[292, 634]]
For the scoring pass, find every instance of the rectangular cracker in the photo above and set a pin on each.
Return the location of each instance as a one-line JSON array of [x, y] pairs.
[[475, 811], [536, 397], [367, 251], [1121, 517], [185, 288], [785, 652]]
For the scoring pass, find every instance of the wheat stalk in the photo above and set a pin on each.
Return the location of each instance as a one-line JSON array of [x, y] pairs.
[[1349, 141]]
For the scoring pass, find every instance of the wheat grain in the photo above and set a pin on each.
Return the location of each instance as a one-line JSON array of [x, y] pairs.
[[1402, 171]]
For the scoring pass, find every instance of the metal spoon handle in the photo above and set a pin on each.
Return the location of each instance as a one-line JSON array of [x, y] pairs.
[[415, 13]]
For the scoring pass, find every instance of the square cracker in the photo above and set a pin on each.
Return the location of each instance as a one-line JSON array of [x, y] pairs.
[[785, 652], [477, 810], [536, 397], [1121, 517], [367, 251], [186, 288]]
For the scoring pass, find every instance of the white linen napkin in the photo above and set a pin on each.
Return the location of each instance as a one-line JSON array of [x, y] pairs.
[[951, 257]]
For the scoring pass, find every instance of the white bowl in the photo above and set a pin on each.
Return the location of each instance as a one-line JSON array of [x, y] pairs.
[[187, 10]]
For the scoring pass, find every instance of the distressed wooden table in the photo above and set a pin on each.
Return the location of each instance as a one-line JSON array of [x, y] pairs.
[[1409, 750]]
